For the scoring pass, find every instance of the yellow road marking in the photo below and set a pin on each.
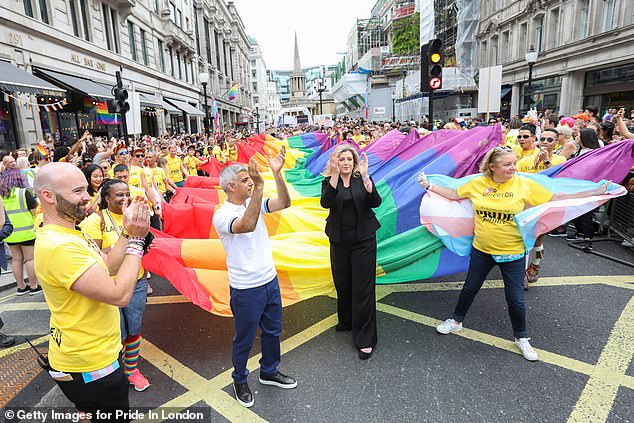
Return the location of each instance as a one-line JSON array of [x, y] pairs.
[[23, 306], [179, 403], [192, 381], [24, 346], [8, 297], [167, 299], [601, 372], [598, 396]]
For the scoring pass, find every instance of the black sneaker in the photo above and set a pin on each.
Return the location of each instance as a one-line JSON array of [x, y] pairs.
[[6, 341], [243, 394], [574, 237], [22, 291], [36, 290], [587, 245], [279, 380], [559, 231]]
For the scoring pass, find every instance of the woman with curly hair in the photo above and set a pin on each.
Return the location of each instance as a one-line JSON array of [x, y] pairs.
[[20, 204], [94, 177]]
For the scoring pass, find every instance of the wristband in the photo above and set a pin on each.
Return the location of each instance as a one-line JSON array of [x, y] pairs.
[[429, 187], [137, 240], [134, 252]]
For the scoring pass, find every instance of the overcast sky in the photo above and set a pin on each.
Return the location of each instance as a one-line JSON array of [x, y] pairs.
[[322, 28]]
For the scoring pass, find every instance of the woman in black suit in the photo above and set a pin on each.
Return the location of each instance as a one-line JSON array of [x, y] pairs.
[[350, 194]]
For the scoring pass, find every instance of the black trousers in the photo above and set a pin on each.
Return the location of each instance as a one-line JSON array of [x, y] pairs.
[[585, 225], [354, 272], [101, 398]]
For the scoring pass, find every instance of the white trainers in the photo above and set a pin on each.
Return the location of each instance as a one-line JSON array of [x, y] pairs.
[[448, 326], [529, 353]]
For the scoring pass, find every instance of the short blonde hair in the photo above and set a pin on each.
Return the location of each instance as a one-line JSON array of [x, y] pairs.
[[339, 150], [492, 156]]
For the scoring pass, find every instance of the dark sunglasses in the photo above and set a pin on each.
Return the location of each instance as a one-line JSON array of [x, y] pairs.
[[139, 155], [122, 152], [547, 139], [524, 136]]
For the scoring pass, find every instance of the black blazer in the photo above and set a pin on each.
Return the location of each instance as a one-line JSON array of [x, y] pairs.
[[364, 202]]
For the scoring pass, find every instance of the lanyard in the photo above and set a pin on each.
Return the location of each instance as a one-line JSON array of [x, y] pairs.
[[114, 225]]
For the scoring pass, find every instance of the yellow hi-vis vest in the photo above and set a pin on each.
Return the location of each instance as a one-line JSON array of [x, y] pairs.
[[21, 217]]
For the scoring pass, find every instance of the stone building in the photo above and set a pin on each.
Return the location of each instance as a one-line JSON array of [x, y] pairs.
[[159, 46], [584, 48]]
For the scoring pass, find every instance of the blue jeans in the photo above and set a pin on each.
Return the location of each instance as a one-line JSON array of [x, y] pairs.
[[253, 307], [132, 314], [513, 276], [180, 184]]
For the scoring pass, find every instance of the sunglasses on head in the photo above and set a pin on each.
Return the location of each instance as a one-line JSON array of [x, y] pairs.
[[547, 139], [503, 148], [122, 152], [524, 136]]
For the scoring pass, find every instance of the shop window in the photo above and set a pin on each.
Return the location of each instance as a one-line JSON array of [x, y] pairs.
[[609, 14]]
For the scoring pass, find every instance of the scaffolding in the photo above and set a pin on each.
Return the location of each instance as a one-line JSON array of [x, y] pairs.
[[366, 34], [446, 25]]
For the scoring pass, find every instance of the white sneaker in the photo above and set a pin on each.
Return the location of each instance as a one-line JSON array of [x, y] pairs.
[[627, 243], [529, 353], [448, 326]]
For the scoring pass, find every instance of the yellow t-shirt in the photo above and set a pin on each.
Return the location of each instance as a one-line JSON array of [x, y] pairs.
[[159, 177], [191, 163], [521, 153], [495, 206], [111, 173], [112, 229], [85, 334], [530, 164], [174, 165]]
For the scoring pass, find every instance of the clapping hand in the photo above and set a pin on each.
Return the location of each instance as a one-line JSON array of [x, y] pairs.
[[363, 165], [334, 164], [277, 162], [136, 217], [422, 179], [254, 173]]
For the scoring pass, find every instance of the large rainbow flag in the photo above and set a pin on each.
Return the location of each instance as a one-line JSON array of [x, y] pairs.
[[233, 91], [190, 255]]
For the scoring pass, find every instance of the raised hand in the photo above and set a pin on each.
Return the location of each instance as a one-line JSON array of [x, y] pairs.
[[276, 163], [254, 173], [136, 217], [422, 179], [363, 165], [603, 189]]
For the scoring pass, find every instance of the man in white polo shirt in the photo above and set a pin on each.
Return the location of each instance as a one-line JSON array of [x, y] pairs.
[[255, 290]]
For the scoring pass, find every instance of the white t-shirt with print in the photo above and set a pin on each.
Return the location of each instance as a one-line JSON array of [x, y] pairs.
[[249, 256]]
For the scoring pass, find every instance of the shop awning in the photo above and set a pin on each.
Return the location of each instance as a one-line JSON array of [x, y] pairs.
[[13, 78], [186, 107], [149, 100], [84, 86], [171, 109]]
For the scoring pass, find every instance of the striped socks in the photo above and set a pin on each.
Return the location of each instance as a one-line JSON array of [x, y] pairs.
[[131, 353]]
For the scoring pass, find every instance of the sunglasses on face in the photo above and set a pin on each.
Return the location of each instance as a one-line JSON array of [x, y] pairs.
[[547, 139], [524, 136], [122, 152], [139, 155]]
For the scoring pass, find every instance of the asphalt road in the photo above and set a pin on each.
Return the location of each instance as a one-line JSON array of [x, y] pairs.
[[580, 318]]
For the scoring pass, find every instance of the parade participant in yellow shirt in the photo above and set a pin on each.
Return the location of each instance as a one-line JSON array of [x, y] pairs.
[[191, 162], [140, 175], [497, 196], [178, 172], [82, 297], [105, 228], [121, 156], [543, 160], [159, 175], [94, 177], [526, 140]]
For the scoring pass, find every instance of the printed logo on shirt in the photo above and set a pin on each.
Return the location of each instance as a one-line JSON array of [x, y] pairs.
[[494, 194], [497, 218], [56, 335]]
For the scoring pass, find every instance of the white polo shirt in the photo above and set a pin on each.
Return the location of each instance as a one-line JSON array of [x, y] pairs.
[[249, 256]]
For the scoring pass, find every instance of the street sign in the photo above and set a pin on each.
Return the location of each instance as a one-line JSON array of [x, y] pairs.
[[435, 83]]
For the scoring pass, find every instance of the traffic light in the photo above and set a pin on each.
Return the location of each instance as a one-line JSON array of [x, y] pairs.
[[121, 106], [435, 58]]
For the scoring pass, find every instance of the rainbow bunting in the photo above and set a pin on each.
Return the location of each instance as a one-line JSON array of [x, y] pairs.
[[233, 91]]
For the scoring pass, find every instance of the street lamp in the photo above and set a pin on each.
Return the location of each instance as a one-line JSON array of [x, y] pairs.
[[531, 58], [321, 87], [203, 77], [393, 109]]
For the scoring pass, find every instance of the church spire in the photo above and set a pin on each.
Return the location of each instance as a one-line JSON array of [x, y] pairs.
[[297, 67]]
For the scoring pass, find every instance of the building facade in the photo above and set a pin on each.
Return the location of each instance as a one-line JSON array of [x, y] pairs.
[[584, 52], [78, 45], [259, 82]]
